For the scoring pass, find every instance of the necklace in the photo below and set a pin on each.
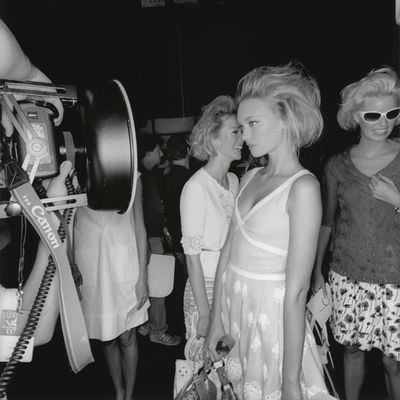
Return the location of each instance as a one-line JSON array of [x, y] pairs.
[[224, 181]]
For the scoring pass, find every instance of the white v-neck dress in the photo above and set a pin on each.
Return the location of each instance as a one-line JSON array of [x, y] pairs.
[[253, 289]]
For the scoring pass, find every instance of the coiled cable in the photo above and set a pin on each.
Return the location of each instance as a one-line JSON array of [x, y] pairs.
[[40, 299]]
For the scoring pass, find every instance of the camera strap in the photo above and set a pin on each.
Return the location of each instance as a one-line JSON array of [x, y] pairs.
[[72, 320]]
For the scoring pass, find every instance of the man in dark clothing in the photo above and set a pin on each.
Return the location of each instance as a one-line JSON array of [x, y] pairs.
[[149, 157], [174, 180]]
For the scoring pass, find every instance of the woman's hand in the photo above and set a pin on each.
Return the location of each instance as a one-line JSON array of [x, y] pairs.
[[215, 333], [202, 326], [383, 188], [318, 282], [142, 292]]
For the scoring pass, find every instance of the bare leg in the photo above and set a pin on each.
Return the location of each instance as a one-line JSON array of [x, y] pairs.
[[129, 356], [392, 375], [113, 357], [354, 371]]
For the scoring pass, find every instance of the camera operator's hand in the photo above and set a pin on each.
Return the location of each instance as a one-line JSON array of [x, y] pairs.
[[56, 186], [15, 65]]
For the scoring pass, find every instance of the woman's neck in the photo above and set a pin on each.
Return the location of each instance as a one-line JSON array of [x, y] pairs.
[[370, 148], [282, 164], [218, 168]]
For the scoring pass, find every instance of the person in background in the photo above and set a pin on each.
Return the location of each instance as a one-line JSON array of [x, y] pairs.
[[174, 181], [110, 250], [361, 208], [206, 209], [154, 219], [264, 271]]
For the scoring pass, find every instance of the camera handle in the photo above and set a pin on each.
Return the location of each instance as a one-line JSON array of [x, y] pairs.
[[72, 320]]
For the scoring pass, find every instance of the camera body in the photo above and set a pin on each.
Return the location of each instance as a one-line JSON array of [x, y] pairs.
[[97, 135], [43, 146]]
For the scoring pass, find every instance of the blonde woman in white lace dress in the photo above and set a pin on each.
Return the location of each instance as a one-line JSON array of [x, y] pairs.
[[265, 267], [206, 204]]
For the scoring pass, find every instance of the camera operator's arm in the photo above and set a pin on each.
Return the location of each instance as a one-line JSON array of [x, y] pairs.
[[50, 312], [15, 65]]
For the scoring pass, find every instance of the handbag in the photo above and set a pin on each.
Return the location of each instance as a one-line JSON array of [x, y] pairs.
[[190, 384], [319, 310], [195, 356], [161, 270]]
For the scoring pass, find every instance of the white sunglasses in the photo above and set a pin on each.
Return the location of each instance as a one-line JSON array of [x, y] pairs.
[[375, 116]]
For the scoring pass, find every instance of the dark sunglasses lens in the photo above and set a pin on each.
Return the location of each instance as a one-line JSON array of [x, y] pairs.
[[393, 114], [372, 116]]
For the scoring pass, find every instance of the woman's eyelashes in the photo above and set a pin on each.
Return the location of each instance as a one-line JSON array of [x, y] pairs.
[[251, 123]]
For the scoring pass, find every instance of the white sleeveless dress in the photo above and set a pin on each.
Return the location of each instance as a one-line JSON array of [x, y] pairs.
[[253, 289], [107, 256]]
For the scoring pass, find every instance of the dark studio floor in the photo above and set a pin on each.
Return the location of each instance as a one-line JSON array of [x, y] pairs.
[[48, 377]]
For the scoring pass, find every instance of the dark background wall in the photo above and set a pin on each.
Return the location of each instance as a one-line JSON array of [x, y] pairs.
[[175, 58]]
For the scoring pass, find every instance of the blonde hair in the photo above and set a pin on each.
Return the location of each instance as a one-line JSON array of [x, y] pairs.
[[296, 99], [377, 83], [207, 128]]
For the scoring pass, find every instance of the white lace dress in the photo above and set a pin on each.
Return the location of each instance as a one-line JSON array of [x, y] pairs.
[[206, 211]]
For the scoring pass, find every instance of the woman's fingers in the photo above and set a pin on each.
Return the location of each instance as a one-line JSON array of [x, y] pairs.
[[384, 178]]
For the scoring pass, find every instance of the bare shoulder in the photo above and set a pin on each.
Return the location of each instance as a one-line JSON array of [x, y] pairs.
[[304, 201], [305, 188], [306, 182]]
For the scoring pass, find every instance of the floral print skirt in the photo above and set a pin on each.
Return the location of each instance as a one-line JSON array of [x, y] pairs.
[[191, 316], [366, 315], [191, 313], [252, 313]]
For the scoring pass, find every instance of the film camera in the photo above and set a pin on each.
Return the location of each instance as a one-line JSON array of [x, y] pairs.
[[97, 135]]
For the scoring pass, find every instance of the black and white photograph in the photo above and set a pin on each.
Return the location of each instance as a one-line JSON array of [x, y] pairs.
[[200, 200]]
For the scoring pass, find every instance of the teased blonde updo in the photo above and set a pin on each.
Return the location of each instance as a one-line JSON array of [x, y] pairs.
[[377, 83], [295, 98]]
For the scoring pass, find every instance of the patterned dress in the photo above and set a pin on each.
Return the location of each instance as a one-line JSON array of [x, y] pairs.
[[253, 289]]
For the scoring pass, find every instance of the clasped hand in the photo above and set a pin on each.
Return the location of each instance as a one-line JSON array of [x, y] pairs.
[[383, 188]]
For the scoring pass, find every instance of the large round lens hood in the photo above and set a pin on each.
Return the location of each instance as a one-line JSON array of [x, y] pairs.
[[110, 142]]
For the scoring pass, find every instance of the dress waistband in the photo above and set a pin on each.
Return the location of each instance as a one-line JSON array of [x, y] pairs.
[[211, 250], [268, 276]]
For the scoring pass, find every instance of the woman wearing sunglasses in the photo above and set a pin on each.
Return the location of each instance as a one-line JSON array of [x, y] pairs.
[[361, 208]]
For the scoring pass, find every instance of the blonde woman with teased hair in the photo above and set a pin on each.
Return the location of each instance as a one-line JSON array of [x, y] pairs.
[[264, 271], [206, 209]]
